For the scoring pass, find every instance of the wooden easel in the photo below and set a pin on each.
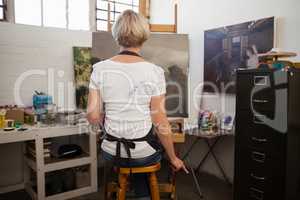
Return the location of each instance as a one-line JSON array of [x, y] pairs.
[[144, 9]]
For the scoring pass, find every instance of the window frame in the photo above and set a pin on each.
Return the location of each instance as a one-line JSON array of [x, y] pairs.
[[4, 8], [113, 11], [67, 18]]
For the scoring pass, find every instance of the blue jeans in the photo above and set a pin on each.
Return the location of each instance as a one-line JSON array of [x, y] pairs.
[[139, 181]]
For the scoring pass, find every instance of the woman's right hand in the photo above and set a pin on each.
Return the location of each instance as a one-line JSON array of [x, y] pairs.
[[179, 165]]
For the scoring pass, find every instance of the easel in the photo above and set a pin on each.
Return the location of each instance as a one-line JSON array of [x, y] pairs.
[[144, 9]]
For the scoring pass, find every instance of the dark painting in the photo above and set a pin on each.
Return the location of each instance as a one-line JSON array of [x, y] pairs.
[[232, 47], [170, 51]]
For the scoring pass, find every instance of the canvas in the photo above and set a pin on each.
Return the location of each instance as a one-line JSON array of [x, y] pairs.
[[232, 47], [170, 51], [82, 72]]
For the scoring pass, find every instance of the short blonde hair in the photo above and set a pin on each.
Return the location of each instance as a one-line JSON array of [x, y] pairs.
[[131, 29]]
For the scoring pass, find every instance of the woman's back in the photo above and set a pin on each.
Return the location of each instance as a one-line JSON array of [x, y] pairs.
[[126, 91]]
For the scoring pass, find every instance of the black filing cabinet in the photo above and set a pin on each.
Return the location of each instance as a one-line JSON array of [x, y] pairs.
[[267, 144]]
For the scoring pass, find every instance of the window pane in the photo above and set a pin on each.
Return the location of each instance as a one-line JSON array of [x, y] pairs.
[[1, 2], [79, 14], [112, 16], [136, 9], [101, 25], [121, 7], [136, 2], [28, 12], [54, 13], [102, 14], [102, 4], [1, 13], [117, 15], [125, 1]]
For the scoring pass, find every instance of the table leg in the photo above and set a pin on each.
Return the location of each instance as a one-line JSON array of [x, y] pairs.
[[210, 147], [190, 149], [186, 157], [218, 164]]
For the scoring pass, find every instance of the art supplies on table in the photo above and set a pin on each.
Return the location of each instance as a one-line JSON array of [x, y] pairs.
[[15, 113], [211, 122], [9, 123], [208, 121], [2, 118], [227, 123]]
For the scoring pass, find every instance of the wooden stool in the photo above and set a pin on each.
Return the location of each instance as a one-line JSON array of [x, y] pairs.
[[123, 182]]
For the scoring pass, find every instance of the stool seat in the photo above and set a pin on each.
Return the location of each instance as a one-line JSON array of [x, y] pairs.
[[124, 172], [136, 170]]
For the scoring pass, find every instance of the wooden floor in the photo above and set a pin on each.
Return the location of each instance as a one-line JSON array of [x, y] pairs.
[[213, 189]]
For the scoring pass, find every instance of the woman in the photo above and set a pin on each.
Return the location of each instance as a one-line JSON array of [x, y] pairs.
[[130, 93]]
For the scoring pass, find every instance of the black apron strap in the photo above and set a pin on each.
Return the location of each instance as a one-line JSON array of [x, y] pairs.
[[129, 53], [130, 144]]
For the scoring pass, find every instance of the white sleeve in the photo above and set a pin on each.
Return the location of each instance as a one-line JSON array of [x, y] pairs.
[[94, 79], [159, 86]]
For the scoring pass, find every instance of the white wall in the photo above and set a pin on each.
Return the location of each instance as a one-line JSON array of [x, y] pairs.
[[48, 50]]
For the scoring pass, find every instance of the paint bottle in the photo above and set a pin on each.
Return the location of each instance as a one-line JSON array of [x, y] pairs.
[[2, 118]]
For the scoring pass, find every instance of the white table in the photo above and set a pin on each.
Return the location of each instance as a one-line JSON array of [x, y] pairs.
[[41, 168]]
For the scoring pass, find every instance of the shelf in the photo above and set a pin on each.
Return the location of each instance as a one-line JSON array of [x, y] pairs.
[[58, 164], [15, 136], [61, 196], [72, 193], [44, 165], [53, 164]]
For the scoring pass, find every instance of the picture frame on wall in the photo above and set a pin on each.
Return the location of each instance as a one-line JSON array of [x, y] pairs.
[[231, 47]]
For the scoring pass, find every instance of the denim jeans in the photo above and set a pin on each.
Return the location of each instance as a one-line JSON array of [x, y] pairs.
[[139, 181]]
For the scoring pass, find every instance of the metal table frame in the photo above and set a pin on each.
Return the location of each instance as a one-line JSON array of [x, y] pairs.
[[211, 145]]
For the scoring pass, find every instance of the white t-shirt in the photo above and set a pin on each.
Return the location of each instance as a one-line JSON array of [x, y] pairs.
[[126, 90]]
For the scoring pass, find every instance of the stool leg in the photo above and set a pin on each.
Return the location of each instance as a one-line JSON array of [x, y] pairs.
[[154, 186], [122, 187]]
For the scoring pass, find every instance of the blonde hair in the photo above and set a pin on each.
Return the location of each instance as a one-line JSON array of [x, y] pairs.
[[131, 29]]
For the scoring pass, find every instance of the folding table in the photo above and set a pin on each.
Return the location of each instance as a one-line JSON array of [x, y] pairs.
[[215, 137]]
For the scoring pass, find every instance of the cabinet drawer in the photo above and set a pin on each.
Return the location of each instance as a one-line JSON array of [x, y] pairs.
[[259, 175], [261, 168], [247, 192], [258, 91], [250, 132]]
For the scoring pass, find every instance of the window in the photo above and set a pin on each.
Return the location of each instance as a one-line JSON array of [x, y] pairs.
[[54, 13], [2, 10], [28, 12], [79, 12], [109, 10], [71, 14]]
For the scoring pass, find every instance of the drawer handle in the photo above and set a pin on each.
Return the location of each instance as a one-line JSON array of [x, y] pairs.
[[256, 194], [258, 119], [258, 157], [257, 178], [260, 80], [260, 140], [260, 101]]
